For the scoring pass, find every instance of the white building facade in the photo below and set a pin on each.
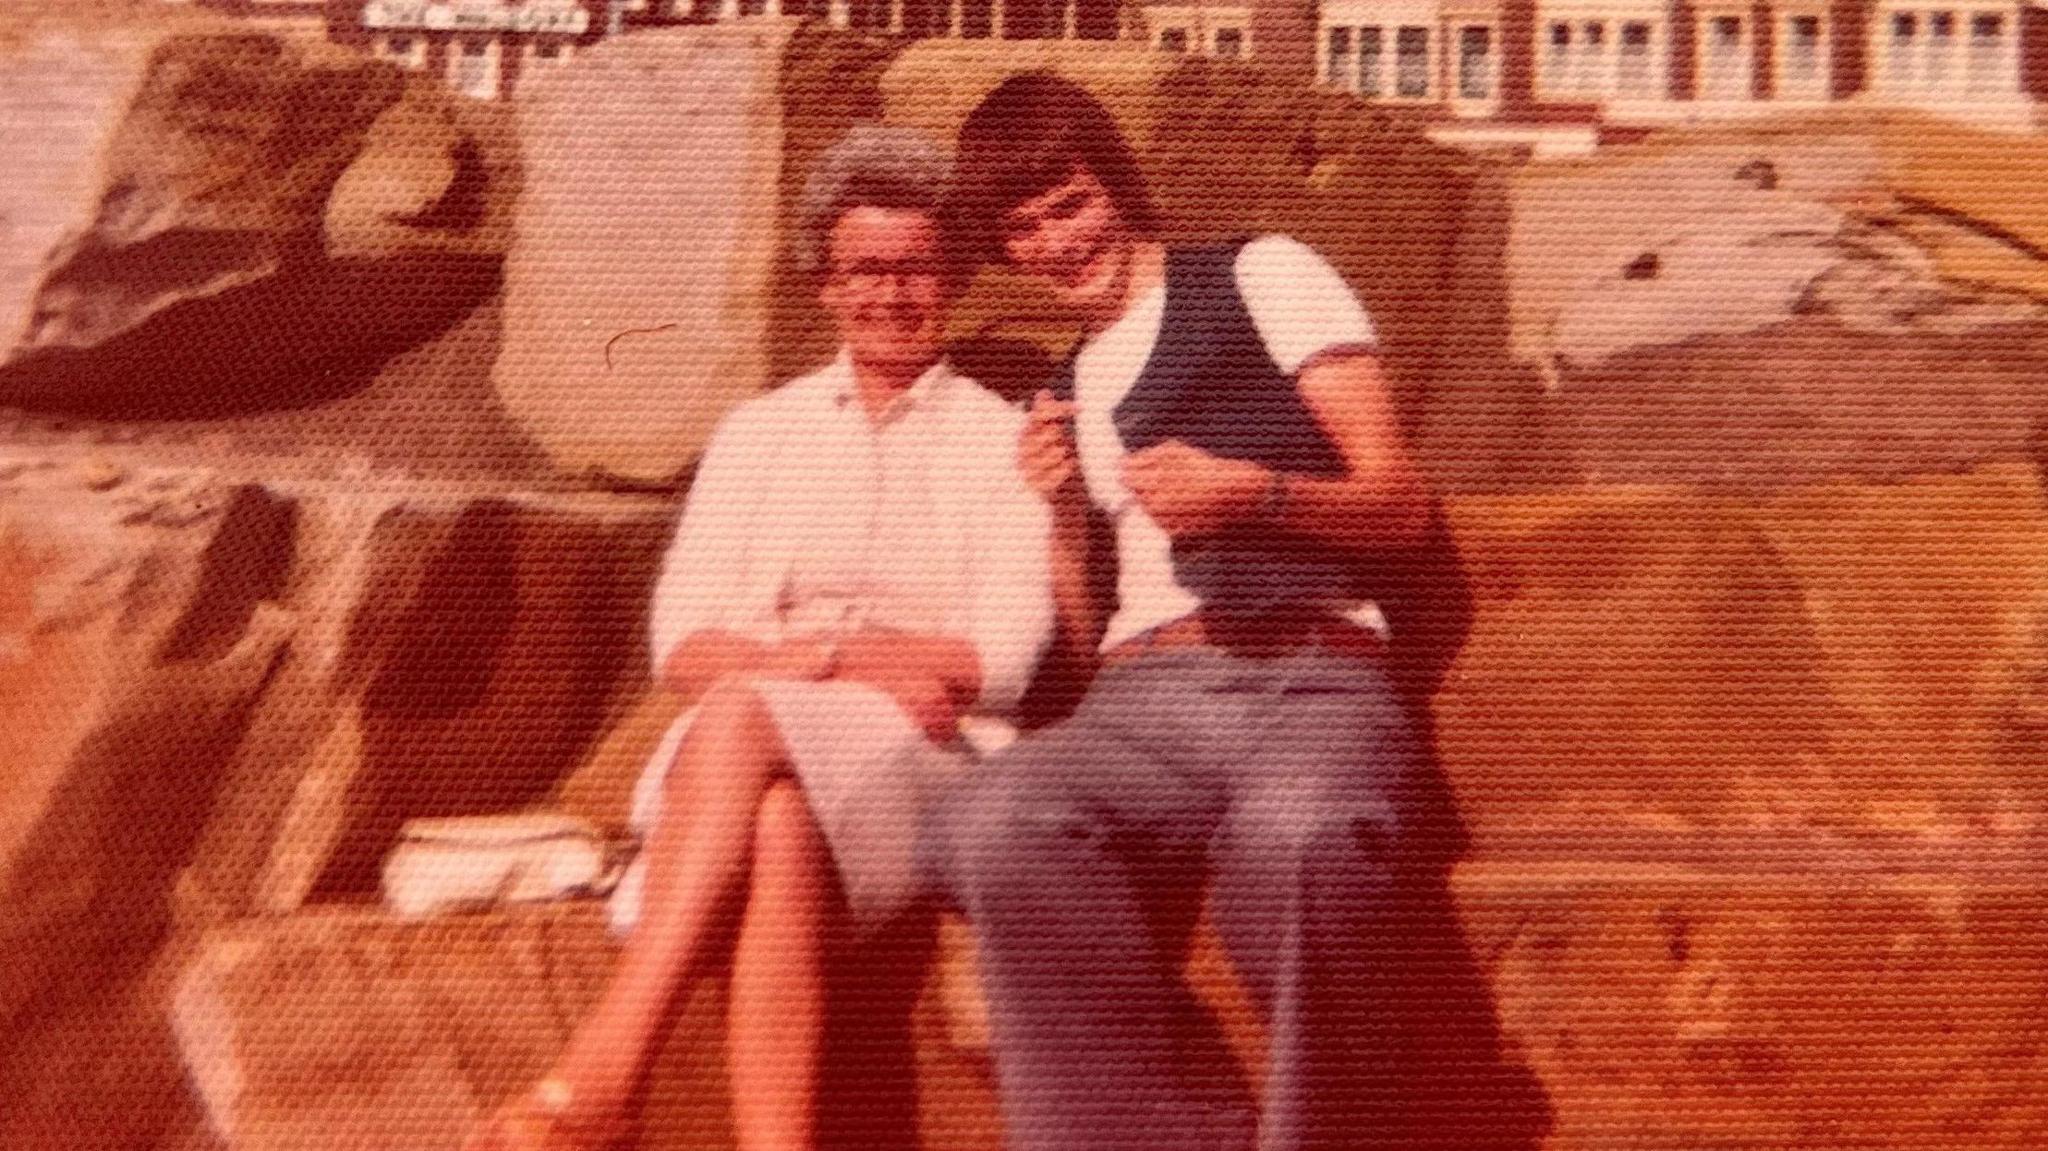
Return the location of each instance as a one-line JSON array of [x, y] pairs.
[[1658, 61], [1417, 52], [480, 47]]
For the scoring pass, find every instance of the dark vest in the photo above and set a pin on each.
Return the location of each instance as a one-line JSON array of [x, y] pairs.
[[1210, 383]]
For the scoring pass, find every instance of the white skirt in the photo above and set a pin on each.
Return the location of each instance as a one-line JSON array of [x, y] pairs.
[[866, 771]]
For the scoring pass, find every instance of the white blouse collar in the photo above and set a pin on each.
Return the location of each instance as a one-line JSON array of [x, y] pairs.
[[923, 389]]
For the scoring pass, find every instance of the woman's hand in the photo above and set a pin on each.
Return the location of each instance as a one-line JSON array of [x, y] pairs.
[[928, 704], [900, 666], [800, 659]]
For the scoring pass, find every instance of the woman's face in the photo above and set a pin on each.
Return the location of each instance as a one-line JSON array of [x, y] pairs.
[[885, 286], [1073, 236]]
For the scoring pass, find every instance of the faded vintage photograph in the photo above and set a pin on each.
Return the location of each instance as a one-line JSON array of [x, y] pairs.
[[1023, 575]]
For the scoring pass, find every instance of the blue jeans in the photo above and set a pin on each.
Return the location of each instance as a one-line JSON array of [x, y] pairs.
[[1277, 787]]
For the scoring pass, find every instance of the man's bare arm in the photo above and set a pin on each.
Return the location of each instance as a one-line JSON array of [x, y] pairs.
[[1381, 500]]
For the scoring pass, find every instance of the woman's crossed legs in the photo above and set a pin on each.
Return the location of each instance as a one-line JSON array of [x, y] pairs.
[[734, 825]]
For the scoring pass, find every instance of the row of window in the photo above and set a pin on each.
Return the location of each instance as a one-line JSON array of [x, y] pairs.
[[1603, 58], [1381, 62], [1925, 54], [475, 63], [1579, 60], [1225, 43], [1584, 59]]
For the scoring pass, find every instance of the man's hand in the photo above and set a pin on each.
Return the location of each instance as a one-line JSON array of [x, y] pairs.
[[1189, 492], [1046, 453]]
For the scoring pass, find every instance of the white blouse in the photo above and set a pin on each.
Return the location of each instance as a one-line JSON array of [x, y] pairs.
[[808, 517]]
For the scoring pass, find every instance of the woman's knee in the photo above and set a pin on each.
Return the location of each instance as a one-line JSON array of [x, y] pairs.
[[729, 704], [730, 731]]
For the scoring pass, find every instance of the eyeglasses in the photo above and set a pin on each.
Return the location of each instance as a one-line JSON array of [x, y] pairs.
[[870, 275]]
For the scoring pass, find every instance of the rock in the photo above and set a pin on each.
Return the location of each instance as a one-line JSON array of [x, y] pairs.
[[1977, 175], [210, 235], [65, 102], [221, 698], [1732, 273], [469, 654], [176, 194], [1772, 994], [636, 289], [1578, 223], [1808, 400], [1928, 597], [345, 1030], [130, 661], [1826, 326], [1636, 663], [424, 181], [1843, 657], [101, 475]]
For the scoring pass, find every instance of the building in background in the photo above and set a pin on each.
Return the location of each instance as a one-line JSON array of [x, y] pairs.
[[1643, 62], [1220, 30], [1280, 34], [924, 19], [481, 47], [1967, 55], [1562, 64], [307, 11]]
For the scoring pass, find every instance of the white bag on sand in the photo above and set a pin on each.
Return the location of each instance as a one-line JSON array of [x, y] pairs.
[[473, 863]]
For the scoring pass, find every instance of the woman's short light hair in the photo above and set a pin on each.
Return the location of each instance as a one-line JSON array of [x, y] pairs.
[[873, 166]]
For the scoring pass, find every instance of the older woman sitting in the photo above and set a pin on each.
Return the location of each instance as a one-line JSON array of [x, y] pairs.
[[860, 564]]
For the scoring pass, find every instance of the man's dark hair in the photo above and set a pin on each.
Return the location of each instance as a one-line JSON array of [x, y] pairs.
[[1027, 137]]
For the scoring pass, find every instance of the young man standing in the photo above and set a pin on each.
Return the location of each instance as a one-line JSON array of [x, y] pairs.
[[1243, 740]]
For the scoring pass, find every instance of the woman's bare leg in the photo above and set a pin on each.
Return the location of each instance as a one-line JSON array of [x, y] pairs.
[[776, 1018], [697, 862]]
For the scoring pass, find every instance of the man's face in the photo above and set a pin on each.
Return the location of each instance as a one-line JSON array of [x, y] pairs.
[[885, 286], [1072, 235]]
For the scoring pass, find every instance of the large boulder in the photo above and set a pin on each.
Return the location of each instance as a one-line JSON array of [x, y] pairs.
[[142, 623], [1837, 659], [473, 649], [636, 289], [222, 696], [1773, 993], [1760, 309], [170, 256], [229, 240]]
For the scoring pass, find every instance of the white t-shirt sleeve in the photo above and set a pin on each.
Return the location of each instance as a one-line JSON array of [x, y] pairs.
[[1299, 303]]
